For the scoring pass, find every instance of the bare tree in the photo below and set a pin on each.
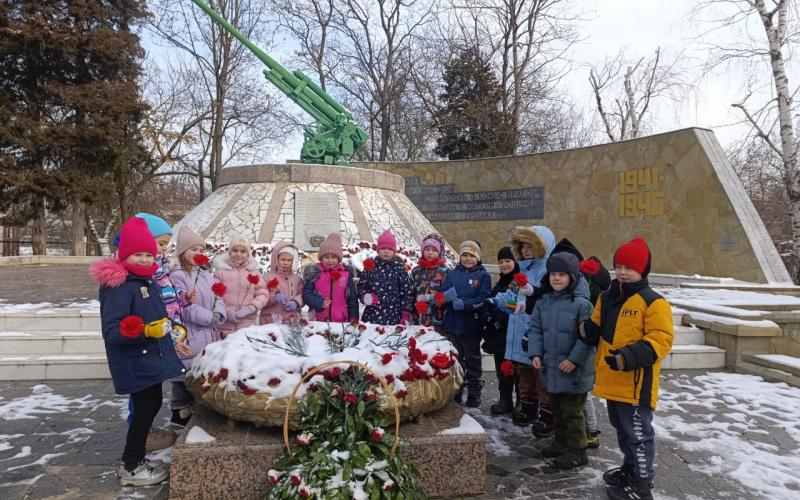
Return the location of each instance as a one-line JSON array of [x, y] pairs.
[[241, 113], [309, 23], [772, 121], [625, 91]]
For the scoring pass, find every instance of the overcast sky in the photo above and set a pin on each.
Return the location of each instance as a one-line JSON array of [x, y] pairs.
[[639, 27]]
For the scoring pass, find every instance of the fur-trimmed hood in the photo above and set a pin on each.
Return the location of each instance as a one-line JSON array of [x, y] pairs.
[[540, 238], [108, 272], [276, 250], [221, 262]]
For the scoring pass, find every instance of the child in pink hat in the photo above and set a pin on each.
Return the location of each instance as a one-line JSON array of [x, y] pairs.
[[384, 286]]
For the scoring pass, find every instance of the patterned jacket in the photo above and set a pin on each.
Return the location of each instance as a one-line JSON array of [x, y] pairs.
[[428, 281], [389, 281]]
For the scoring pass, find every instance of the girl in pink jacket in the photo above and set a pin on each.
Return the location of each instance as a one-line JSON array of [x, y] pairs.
[[246, 292], [286, 287]]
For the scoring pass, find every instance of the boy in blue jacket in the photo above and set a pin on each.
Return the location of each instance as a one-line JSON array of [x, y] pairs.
[[136, 332], [465, 289]]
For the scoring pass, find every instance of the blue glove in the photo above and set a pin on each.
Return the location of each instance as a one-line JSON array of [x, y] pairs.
[[458, 304], [290, 306], [280, 298], [525, 344], [450, 294]]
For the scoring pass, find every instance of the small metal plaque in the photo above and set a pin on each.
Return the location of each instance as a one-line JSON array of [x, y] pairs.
[[315, 216]]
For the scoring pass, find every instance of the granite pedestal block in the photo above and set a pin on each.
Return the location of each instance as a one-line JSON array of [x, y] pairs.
[[235, 464]]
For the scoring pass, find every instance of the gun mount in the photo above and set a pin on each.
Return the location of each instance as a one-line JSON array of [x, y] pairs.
[[335, 136]]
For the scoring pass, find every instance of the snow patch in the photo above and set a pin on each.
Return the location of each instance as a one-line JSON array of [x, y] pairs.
[[43, 401], [467, 425], [780, 358], [198, 435]]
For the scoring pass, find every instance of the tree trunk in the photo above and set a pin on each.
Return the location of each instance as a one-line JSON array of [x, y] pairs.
[[11, 235], [39, 233], [78, 233]]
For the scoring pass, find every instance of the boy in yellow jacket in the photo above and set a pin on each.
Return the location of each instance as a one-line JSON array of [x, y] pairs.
[[632, 327]]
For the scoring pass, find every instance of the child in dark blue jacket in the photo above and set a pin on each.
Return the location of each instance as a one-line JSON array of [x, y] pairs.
[[136, 332], [465, 289]]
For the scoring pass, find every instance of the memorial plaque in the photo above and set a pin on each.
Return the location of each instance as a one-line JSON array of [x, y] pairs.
[[441, 202], [316, 215]]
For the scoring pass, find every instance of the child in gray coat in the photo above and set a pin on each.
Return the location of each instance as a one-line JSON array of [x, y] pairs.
[[565, 362]]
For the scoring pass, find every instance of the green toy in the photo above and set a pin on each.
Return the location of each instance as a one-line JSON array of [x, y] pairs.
[[335, 136]]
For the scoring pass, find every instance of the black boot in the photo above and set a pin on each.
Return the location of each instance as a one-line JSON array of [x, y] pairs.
[[505, 404], [631, 490], [527, 413], [543, 427], [459, 397], [473, 399]]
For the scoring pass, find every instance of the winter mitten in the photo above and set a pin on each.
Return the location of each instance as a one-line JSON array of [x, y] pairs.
[[458, 304], [218, 318], [405, 317], [156, 329], [245, 312], [526, 290], [616, 361], [370, 299], [450, 294], [290, 306], [280, 298], [425, 297]]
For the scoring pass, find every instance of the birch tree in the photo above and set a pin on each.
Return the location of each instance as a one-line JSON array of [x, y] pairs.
[[765, 55]]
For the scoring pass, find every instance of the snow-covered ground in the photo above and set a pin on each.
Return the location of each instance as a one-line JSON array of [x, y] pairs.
[[48, 307]]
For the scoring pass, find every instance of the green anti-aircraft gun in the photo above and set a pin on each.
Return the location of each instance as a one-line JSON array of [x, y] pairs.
[[335, 137]]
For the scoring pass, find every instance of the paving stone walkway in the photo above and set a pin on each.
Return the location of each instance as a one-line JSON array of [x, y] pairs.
[[63, 440]]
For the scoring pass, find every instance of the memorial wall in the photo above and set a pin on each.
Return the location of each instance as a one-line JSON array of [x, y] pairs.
[[675, 189]]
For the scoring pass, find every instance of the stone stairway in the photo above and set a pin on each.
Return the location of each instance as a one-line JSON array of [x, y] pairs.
[[772, 367], [688, 351], [52, 345]]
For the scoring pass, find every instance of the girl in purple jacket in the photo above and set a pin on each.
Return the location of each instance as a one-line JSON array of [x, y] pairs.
[[201, 318]]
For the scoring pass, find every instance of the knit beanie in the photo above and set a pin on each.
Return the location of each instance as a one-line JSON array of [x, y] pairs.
[[238, 241], [505, 253], [634, 254], [331, 246], [470, 247], [187, 239], [134, 237], [432, 242], [291, 250], [155, 224], [387, 240], [563, 262]]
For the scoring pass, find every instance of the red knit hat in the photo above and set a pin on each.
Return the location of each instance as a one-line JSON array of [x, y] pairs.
[[635, 255], [134, 236], [387, 240]]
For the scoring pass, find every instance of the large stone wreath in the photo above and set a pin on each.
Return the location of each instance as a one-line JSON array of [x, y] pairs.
[[250, 375]]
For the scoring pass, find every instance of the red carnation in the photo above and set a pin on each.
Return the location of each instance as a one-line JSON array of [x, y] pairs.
[[369, 264], [389, 378], [387, 358], [200, 259], [336, 274], [520, 279], [377, 434], [401, 394], [412, 343], [371, 396], [350, 398], [362, 327], [422, 307], [223, 373], [253, 279], [296, 480], [131, 326], [354, 321], [274, 476], [507, 367], [304, 491], [273, 283], [439, 298], [219, 289], [440, 360], [274, 381], [590, 267]]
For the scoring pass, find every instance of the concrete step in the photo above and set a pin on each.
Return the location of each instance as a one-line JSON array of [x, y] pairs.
[[51, 320], [783, 363], [54, 367], [691, 356], [767, 373], [52, 342], [689, 335], [677, 316]]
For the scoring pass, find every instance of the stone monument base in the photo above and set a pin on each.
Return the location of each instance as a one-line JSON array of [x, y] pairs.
[[235, 464]]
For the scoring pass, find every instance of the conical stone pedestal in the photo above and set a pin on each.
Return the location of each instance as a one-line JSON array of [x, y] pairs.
[[303, 203]]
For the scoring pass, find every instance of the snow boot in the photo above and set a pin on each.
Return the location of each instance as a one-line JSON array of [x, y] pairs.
[[505, 404], [553, 450], [592, 439], [473, 400], [543, 427], [526, 414], [631, 490], [571, 459]]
